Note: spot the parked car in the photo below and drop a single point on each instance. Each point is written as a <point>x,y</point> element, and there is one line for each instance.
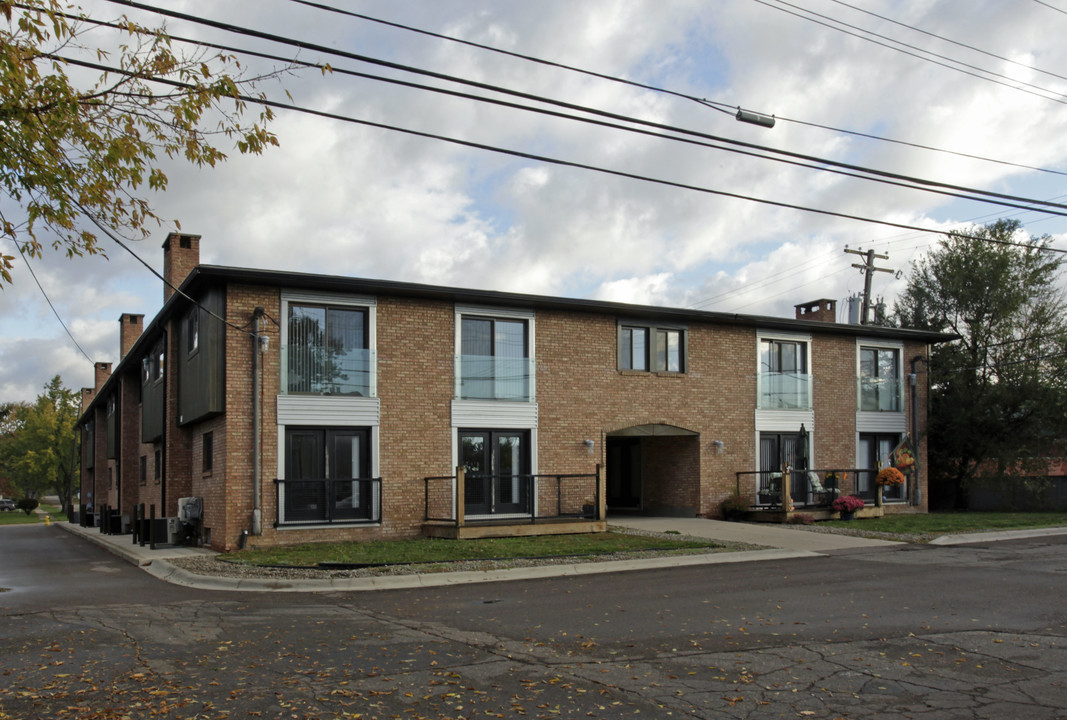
<point>7,504</point>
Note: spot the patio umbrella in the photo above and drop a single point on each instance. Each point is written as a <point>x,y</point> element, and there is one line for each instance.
<point>802,448</point>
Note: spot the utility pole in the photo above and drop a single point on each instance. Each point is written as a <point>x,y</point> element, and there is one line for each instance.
<point>868,268</point>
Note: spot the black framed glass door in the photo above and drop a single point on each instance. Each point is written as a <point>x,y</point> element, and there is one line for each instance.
<point>778,450</point>
<point>497,469</point>
<point>318,461</point>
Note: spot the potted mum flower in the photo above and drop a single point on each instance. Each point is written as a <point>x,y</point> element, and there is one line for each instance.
<point>890,476</point>
<point>847,505</point>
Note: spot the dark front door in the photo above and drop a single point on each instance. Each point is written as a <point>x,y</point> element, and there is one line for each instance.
<point>624,473</point>
<point>778,450</point>
<point>497,465</point>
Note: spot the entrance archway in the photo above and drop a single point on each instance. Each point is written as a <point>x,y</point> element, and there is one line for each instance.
<point>653,469</point>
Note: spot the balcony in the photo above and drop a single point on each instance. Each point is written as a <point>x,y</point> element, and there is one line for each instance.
<point>328,502</point>
<point>878,394</point>
<point>485,377</point>
<point>472,506</point>
<point>784,391</point>
<point>337,372</point>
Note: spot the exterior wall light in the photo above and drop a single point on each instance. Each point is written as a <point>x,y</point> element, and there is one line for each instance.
<point>719,446</point>
<point>589,445</point>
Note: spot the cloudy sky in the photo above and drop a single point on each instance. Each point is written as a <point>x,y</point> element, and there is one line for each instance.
<point>967,77</point>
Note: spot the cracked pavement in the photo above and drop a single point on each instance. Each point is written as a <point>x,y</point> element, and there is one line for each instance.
<point>933,633</point>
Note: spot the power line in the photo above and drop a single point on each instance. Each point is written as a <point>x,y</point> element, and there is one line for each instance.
<point>582,108</point>
<point>55,312</point>
<point>912,54</point>
<point>118,241</point>
<point>559,161</point>
<point>725,108</point>
<point>1051,7</point>
<point>949,40</point>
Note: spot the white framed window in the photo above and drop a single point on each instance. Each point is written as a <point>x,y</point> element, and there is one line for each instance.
<point>784,374</point>
<point>328,345</point>
<point>879,378</point>
<point>494,355</point>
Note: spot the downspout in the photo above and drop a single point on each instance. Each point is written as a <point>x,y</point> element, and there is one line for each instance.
<point>257,512</point>
<point>917,496</point>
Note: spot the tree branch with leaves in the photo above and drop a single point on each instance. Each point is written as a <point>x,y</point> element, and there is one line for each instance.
<point>999,393</point>
<point>87,129</point>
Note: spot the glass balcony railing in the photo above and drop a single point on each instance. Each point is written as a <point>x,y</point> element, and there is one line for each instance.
<point>785,391</point>
<point>317,371</point>
<point>484,377</point>
<point>880,394</point>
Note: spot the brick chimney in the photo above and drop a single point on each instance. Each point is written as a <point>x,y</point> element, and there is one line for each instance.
<point>181,253</point>
<point>103,372</point>
<point>823,310</point>
<point>87,398</point>
<point>130,327</point>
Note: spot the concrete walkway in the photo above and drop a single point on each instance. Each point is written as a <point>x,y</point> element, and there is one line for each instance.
<point>765,534</point>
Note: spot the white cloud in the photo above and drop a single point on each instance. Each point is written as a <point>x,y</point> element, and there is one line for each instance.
<point>341,198</point>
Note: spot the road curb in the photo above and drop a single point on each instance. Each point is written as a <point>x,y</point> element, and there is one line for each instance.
<point>167,571</point>
<point>1000,535</point>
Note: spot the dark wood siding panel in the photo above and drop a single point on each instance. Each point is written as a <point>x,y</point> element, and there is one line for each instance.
<point>201,376</point>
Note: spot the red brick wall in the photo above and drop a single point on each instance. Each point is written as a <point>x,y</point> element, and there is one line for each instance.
<point>129,442</point>
<point>833,370</point>
<point>582,395</point>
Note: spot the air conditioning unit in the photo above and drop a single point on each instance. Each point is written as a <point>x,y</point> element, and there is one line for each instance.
<point>174,531</point>
<point>190,509</point>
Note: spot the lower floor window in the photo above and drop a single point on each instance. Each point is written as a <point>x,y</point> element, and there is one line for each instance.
<point>875,452</point>
<point>497,471</point>
<point>327,477</point>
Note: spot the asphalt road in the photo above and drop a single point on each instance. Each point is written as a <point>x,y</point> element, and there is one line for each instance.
<point>919,631</point>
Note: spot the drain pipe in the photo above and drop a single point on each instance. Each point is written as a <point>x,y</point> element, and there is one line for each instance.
<point>257,512</point>
<point>917,496</point>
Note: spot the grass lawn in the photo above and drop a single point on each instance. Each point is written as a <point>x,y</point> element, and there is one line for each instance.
<point>17,517</point>
<point>955,522</point>
<point>432,550</point>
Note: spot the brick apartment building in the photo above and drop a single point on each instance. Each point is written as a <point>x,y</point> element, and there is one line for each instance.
<point>368,396</point>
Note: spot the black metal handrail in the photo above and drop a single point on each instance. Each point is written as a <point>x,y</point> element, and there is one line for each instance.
<point>814,488</point>
<point>540,497</point>
<point>329,501</point>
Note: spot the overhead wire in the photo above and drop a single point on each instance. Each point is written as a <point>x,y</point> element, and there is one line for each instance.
<point>552,160</point>
<point>581,108</point>
<point>722,107</point>
<point>178,291</point>
<point>780,3</point>
<point>949,40</point>
<point>29,266</point>
<point>1050,7</point>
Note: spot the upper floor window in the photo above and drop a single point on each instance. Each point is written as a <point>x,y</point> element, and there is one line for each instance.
<point>879,380</point>
<point>784,381</point>
<point>651,348</point>
<point>192,331</point>
<point>152,366</point>
<point>328,350</point>
<point>494,359</point>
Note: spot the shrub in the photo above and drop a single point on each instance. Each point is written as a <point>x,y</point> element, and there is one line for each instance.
<point>27,505</point>
<point>801,519</point>
<point>734,506</point>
